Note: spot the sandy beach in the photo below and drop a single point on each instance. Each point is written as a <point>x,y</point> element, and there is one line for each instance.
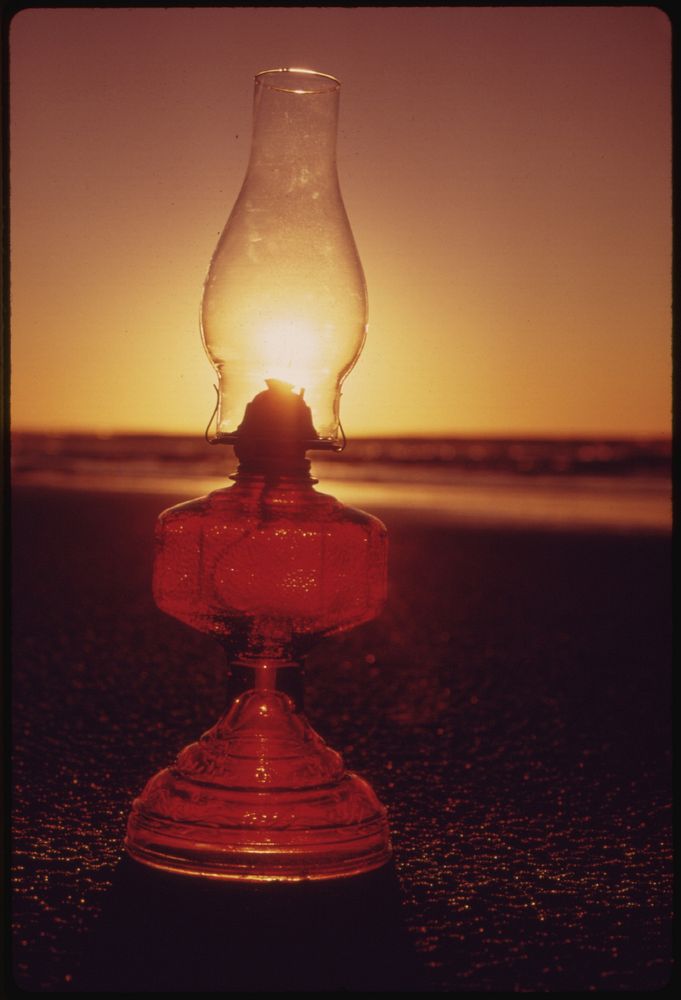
<point>511,708</point>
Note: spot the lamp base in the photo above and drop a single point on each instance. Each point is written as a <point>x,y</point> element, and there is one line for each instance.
<point>259,797</point>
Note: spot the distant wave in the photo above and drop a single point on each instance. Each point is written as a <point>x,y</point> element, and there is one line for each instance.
<point>521,456</point>
<point>608,484</point>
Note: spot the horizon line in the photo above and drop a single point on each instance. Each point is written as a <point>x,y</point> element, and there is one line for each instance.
<point>382,436</point>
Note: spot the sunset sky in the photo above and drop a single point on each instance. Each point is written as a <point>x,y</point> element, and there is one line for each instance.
<point>506,171</point>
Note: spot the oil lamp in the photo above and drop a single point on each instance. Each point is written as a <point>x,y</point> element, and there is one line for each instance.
<point>269,565</point>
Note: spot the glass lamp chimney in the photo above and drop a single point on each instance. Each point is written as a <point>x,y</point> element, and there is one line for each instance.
<point>284,301</point>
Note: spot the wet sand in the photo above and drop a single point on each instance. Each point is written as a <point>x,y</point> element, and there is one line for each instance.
<point>511,708</point>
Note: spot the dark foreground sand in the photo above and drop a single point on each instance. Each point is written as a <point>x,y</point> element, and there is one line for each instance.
<point>511,708</point>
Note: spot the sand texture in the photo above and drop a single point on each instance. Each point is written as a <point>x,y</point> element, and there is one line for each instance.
<point>511,708</point>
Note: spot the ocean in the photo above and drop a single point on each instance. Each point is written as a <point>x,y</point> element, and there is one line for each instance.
<point>618,484</point>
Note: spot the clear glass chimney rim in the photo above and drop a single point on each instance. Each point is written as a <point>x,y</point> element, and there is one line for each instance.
<point>297,81</point>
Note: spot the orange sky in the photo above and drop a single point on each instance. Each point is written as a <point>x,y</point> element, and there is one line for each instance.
<point>506,172</point>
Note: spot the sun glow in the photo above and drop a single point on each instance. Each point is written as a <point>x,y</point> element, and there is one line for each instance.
<point>515,243</point>
<point>289,350</point>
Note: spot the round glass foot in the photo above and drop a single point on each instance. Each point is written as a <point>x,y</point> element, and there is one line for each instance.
<point>259,797</point>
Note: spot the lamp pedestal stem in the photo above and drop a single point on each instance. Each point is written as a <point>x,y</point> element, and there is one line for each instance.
<point>260,796</point>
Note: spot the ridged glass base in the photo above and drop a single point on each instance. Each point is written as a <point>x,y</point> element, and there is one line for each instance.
<point>259,796</point>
